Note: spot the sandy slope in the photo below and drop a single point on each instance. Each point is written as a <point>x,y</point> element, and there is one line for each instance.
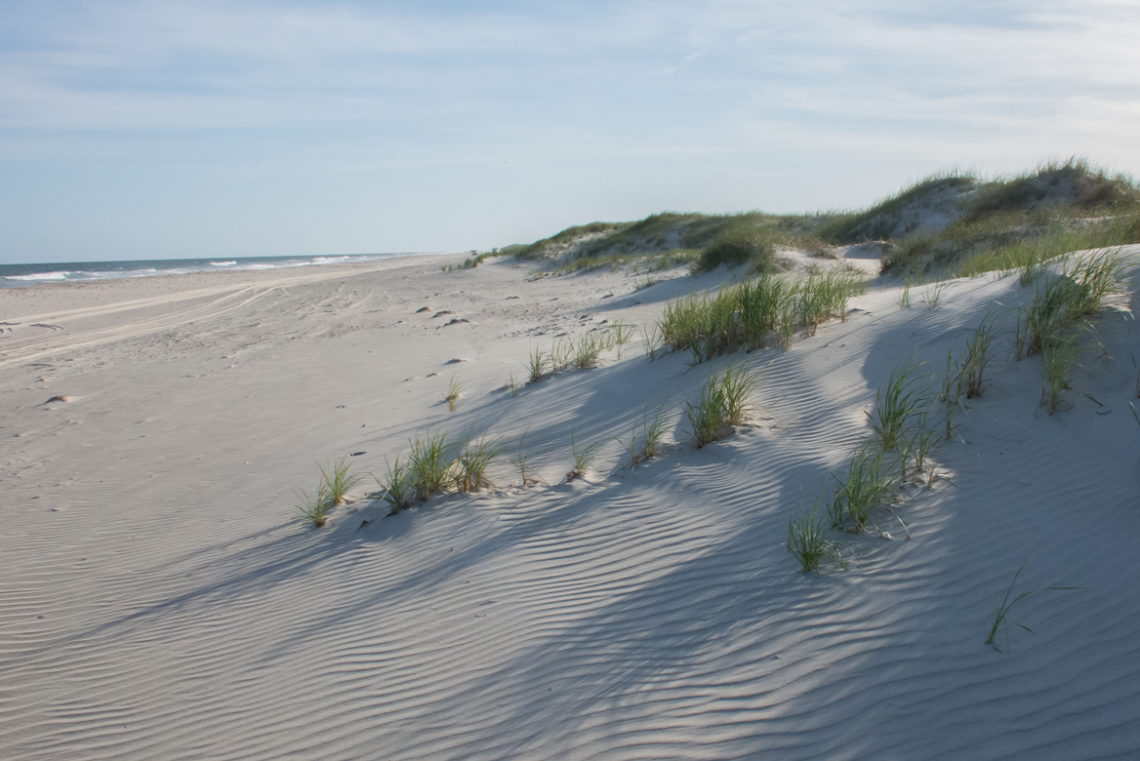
<point>158,598</point>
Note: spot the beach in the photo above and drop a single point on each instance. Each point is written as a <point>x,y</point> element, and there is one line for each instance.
<point>161,599</point>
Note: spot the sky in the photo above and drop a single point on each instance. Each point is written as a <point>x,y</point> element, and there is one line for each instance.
<point>135,129</point>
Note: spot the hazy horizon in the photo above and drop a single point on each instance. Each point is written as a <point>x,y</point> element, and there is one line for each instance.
<point>157,130</point>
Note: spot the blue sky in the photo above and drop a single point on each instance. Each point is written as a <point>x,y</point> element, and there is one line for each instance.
<point>138,129</point>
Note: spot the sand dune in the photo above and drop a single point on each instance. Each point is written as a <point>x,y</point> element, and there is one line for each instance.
<point>159,598</point>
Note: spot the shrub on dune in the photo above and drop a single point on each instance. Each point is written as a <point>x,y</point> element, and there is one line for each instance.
<point>742,243</point>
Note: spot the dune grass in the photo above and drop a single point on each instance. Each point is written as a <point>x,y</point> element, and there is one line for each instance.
<point>536,365</point>
<point>314,508</point>
<point>977,359</point>
<point>651,340</point>
<point>904,296</point>
<point>582,456</point>
<point>398,490</point>
<point>1051,324</point>
<point>638,261</point>
<point>895,405</point>
<point>336,480</point>
<point>869,482</point>
<point>620,335</point>
<point>561,355</point>
<point>1009,601</point>
<point>1097,275</point>
<point>821,298</point>
<point>521,460</point>
<point>724,402</point>
<point>568,353</point>
<point>1007,224</point>
<point>644,443</point>
<point>430,471</point>
<point>1050,314</point>
<point>454,389</point>
<point>587,351</point>
<point>747,315</point>
<point>1073,183</point>
<point>932,296</point>
<point>470,468</point>
<point>881,220</point>
<point>747,242</point>
<point>1058,358</point>
<point>806,542</point>
<point>920,443</point>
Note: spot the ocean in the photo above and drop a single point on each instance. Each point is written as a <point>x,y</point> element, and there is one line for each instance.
<point>20,275</point>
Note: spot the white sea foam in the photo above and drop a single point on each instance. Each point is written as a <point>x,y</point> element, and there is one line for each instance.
<point>38,276</point>
<point>177,267</point>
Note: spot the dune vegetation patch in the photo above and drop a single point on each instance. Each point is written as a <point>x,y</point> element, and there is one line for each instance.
<point>751,314</point>
<point>663,241</point>
<point>950,223</point>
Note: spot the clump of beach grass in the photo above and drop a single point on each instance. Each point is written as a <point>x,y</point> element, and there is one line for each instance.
<point>1098,275</point>
<point>806,542</point>
<point>823,297</point>
<point>972,369</point>
<point>521,461</point>
<point>561,355</point>
<point>587,351</point>
<point>314,509</point>
<point>904,296</point>
<point>895,404</point>
<point>398,490</point>
<point>336,480</point>
<point>335,483</point>
<point>620,335</point>
<point>920,442</point>
<point>430,472</point>
<point>1055,307</point>
<point>723,403</point>
<point>1050,325</point>
<point>1058,358</point>
<point>470,467</point>
<point>746,315</point>
<point>651,336</point>
<point>736,317</point>
<point>454,389</point>
<point>582,455</point>
<point>868,484</point>
<point>1079,291</point>
<point>645,443</point>
<point>536,365</point>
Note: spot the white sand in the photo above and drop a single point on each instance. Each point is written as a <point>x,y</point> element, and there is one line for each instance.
<point>159,599</point>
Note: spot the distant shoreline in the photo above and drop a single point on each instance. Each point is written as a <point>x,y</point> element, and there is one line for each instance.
<point>41,273</point>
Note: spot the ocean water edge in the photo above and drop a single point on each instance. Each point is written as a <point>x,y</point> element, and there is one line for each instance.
<point>23,275</point>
